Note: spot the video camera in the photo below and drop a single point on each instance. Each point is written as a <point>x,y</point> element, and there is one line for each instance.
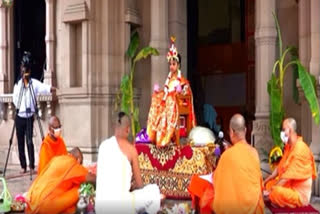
<point>26,65</point>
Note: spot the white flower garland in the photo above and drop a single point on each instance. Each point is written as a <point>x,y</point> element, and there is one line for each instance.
<point>166,85</point>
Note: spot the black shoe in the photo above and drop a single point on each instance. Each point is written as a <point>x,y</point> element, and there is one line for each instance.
<point>23,171</point>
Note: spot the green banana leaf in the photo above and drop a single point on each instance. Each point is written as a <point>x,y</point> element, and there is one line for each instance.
<point>276,111</point>
<point>125,94</point>
<point>145,52</point>
<point>307,85</point>
<point>134,44</point>
<point>279,34</point>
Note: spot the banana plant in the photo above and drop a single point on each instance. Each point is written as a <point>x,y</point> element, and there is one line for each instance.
<point>276,90</point>
<point>126,92</point>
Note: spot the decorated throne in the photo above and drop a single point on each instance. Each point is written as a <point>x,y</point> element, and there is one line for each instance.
<point>166,161</point>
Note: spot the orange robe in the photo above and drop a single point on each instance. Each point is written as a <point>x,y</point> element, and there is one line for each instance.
<point>55,190</point>
<point>163,115</point>
<point>298,167</point>
<point>49,149</point>
<point>238,181</point>
<point>202,194</point>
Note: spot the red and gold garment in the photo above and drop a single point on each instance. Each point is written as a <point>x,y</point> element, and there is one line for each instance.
<point>163,115</point>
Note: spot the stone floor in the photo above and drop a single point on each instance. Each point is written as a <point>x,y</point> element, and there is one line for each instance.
<point>18,184</point>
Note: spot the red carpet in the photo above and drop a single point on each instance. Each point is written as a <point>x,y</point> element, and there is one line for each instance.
<point>306,209</point>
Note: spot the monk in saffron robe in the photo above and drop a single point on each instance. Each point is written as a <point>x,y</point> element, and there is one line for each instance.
<point>117,166</point>
<point>56,189</point>
<point>290,183</point>
<point>163,115</point>
<point>52,145</point>
<point>237,181</point>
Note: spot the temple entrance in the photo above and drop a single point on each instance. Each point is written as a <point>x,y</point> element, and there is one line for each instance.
<point>221,61</point>
<point>29,35</point>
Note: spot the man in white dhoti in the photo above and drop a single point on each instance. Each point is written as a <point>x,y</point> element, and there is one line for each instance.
<point>117,164</point>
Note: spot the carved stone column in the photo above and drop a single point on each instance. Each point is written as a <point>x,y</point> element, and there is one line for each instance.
<point>304,55</point>
<point>49,75</point>
<point>265,39</point>
<point>3,49</point>
<point>159,39</point>
<point>315,69</point>
<point>178,28</point>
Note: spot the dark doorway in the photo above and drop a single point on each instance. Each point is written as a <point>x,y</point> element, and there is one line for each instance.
<point>29,35</point>
<point>221,58</point>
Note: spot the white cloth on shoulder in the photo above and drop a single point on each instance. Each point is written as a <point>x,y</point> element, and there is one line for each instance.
<point>114,175</point>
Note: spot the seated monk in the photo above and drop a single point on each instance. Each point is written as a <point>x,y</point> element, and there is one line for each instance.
<point>56,189</point>
<point>117,165</point>
<point>163,115</point>
<point>290,183</point>
<point>237,181</point>
<point>52,145</point>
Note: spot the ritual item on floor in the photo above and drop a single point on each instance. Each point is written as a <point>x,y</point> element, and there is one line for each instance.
<point>86,199</point>
<point>142,137</point>
<point>171,167</point>
<point>92,168</point>
<point>5,197</point>
<point>18,204</point>
<point>201,136</point>
<point>275,157</point>
<point>181,208</point>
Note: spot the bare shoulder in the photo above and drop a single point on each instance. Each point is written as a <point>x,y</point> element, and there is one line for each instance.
<point>132,149</point>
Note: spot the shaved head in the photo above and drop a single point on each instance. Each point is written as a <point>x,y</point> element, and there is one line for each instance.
<point>237,128</point>
<point>122,120</point>
<point>291,123</point>
<point>237,123</point>
<point>122,125</point>
<point>54,121</point>
<point>77,154</point>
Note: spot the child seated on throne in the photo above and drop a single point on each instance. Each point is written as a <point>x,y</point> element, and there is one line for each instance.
<point>163,115</point>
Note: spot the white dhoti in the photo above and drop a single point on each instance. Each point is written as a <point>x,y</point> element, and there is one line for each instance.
<point>114,174</point>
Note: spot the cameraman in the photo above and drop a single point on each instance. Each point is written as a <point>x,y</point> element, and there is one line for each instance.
<point>24,99</point>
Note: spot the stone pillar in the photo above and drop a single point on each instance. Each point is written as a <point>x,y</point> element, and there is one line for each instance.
<point>3,49</point>
<point>159,39</point>
<point>304,56</point>
<point>178,28</point>
<point>315,68</point>
<point>265,40</point>
<point>49,75</point>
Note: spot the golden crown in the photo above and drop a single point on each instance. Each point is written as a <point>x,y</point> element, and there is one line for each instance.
<point>173,52</point>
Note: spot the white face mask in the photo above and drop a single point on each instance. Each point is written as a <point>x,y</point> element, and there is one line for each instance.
<point>57,132</point>
<point>284,137</point>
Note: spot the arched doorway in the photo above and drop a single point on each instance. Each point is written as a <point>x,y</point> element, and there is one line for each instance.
<point>221,58</point>
<point>29,35</point>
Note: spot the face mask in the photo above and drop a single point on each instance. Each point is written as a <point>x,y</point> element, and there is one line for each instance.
<point>284,137</point>
<point>57,132</point>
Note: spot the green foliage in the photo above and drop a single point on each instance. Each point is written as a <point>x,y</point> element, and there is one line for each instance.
<point>307,82</point>
<point>275,88</point>
<point>145,52</point>
<point>134,44</point>
<point>276,113</point>
<point>125,93</point>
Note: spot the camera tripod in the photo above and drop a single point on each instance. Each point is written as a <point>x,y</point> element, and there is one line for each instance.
<point>24,89</point>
